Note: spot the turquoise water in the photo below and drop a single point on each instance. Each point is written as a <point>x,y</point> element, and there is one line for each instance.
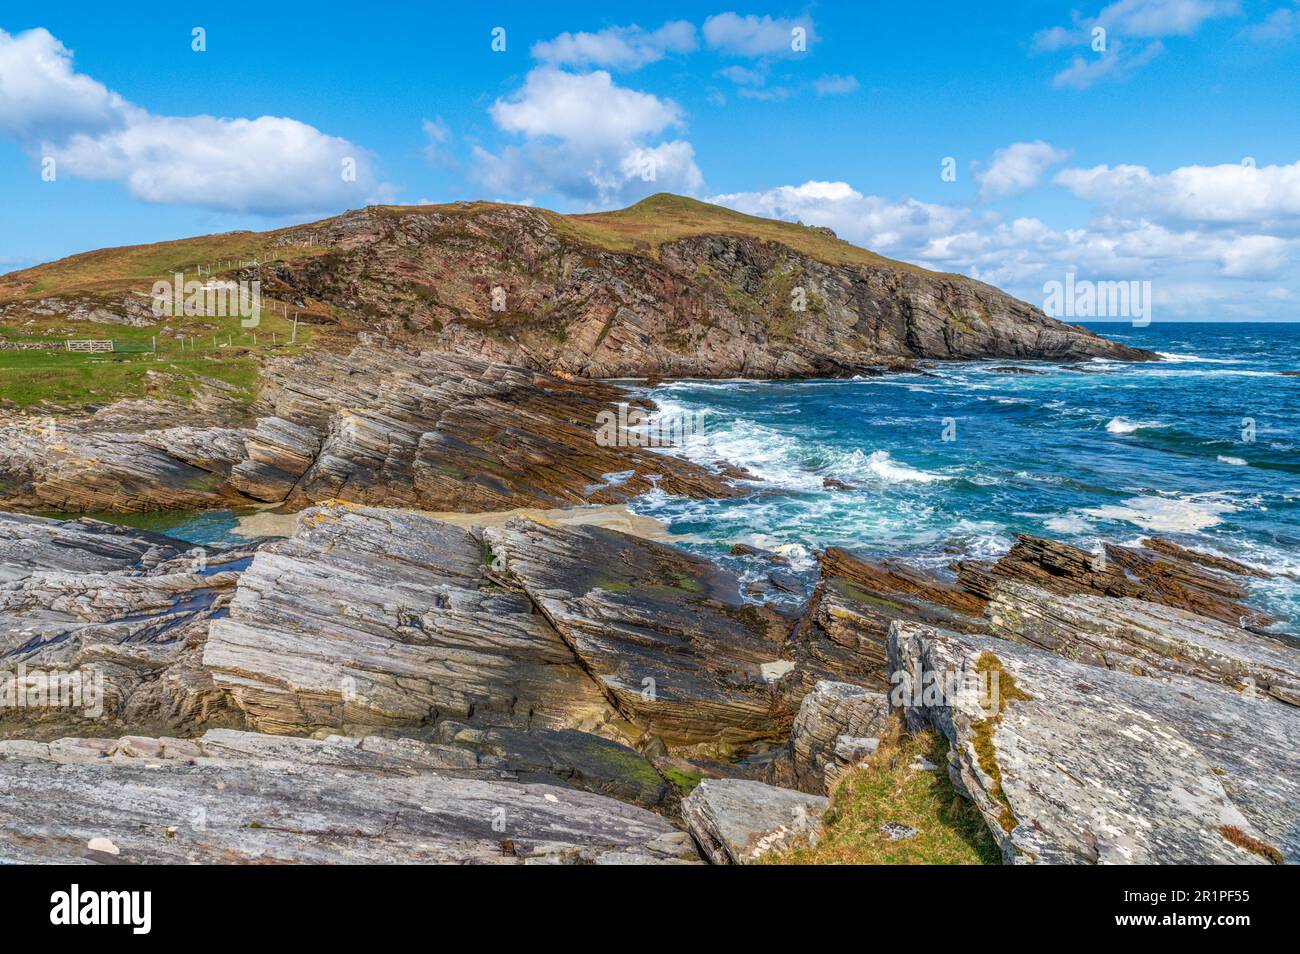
<point>207,528</point>
<point>1118,453</point>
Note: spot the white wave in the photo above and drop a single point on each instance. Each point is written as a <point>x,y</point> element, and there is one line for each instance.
<point>1173,357</point>
<point>1167,514</point>
<point>1234,461</point>
<point>1068,523</point>
<point>892,472</point>
<point>1119,425</point>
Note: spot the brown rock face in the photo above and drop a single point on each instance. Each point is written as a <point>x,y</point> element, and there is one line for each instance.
<point>842,633</point>
<point>711,294</point>
<point>1160,572</point>
<point>664,633</point>
<point>433,431</point>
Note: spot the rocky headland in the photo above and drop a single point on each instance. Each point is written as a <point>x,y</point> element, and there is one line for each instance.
<point>376,684</point>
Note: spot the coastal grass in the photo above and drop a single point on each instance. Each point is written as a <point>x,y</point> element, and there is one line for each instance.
<point>950,830</point>
<point>31,378</point>
<point>189,349</point>
<point>664,218</point>
<point>136,267</point>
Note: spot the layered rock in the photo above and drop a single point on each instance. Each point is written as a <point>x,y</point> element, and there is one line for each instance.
<point>736,821</point>
<point>372,618</point>
<point>666,634</point>
<point>111,635</point>
<point>843,631</point>
<point>1074,763</point>
<point>238,797</point>
<point>838,726</point>
<point>1160,571</point>
<point>1145,638</point>
<point>706,293</point>
<point>432,431</point>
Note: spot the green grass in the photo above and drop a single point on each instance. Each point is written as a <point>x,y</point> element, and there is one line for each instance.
<point>950,829</point>
<point>30,378</point>
<point>74,378</point>
<point>134,267</point>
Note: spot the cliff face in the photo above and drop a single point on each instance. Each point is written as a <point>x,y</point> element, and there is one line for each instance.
<point>670,287</point>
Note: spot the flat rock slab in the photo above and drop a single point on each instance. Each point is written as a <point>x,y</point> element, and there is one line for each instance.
<point>1146,638</point>
<point>40,544</point>
<point>370,618</point>
<point>844,629</point>
<point>380,426</point>
<point>238,797</point>
<point>736,821</point>
<point>665,633</point>
<point>1072,763</point>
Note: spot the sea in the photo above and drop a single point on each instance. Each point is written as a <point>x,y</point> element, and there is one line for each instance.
<point>953,461</point>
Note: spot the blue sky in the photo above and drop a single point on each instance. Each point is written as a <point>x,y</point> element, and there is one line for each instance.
<point>1168,153</point>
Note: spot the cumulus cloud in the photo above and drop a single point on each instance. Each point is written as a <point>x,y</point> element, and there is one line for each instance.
<point>755,36</point>
<point>1115,63</point>
<point>1281,25</point>
<point>618,47</point>
<point>1197,270</point>
<point>1230,194</point>
<point>587,138</point>
<point>900,227</point>
<point>1129,33</point>
<point>270,165</point>
<point>1017,169</point>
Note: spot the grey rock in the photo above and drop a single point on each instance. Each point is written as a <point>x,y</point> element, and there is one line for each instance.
<point>239,797</point>
<point>368,619</point>
<point>1145,638</point>
<point>896,831</point>
<point>666,634</point>
<point>737,821</point>
<point>838,726</point>
<point>1090,765</point>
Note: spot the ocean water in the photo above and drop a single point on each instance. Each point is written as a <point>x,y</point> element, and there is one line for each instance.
<point>1203,447</point>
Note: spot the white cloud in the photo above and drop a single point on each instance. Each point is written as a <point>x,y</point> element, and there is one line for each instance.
<point>883,225</point>
<point>587,138</point>
<point>626,48</point>
<point>1142,23</point>
<point>1196,271</point>
<point>1017,169</point>
<point>1278,27</point>
<point>743,76</point>
<point>1116,63</point>
<point>270,165</point>
<point>437,136</point>
<point>833,85</point>
<point>1230,194</point>
<point>754,35</point>
<point>588,108</point>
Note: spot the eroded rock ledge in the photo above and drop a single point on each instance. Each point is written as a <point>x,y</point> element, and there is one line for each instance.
<point>434,431</point>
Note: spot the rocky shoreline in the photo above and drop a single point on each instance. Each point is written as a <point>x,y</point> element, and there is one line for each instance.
<point>385,686</point>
